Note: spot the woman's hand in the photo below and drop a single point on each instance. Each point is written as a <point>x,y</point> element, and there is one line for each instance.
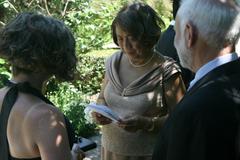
<point>77,153</point>
<point>133,124</point>
<point>100,119</point>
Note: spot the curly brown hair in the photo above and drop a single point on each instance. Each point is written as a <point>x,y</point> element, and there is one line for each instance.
<point>32,42</point>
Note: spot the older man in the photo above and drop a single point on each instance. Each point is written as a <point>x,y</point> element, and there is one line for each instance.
<point>206,123</point>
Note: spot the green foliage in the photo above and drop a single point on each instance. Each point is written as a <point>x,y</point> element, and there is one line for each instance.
<point>72,103</point>
<point>91,26</point>
<point>90,23</point>
<point>90,75</point>
<point>4,72</point>
<point>104,53</point>
<point>164,11</point>
<point>72,98</point>
<point>56,8</point>
<point>90,20</point>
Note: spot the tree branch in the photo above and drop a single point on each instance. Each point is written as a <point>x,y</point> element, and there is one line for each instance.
<point>29,4</point>
<point>65,8</point>
<point>46,7</point>
<point>2,23</point>
<point>12,6</point>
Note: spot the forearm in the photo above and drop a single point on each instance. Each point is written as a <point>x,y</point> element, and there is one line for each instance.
<point>154,124</point>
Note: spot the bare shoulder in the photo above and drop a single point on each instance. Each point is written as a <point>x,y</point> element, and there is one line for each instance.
<point>42,115</point>
<point>3,91</point>
<point>46,125</point>
<point>42,120</point>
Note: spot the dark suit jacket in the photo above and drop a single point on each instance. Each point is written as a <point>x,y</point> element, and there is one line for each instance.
<point>206,123</point>
<point>165,46</point>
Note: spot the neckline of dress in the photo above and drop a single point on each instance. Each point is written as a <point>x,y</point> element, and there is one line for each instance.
<point>141,65</point>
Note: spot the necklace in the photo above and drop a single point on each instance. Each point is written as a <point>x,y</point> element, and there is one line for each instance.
<point>141,65</point>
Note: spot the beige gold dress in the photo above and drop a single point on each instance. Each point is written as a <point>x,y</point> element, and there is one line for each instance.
<point>141,97</point>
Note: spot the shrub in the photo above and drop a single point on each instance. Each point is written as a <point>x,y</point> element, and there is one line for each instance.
<point>72,98</point>
<point>72,103</point>
<point>91,74</point>
<point>4,72</point>
<point>89,22</point>
<point>92,26</point>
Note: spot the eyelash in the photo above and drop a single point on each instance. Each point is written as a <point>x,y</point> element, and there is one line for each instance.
<point>129,37</point>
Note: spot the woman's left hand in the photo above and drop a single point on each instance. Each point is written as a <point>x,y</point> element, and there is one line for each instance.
<point>135,123</point>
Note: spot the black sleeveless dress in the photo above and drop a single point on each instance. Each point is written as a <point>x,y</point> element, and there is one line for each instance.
<point>8,101</point>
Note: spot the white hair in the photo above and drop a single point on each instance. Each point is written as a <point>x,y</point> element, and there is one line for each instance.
<point>217,21</point>
<point>238,47</point>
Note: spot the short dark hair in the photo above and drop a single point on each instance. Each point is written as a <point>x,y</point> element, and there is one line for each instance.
<point>141,21</point>
<point>33,42</point>
<point>175,7</point>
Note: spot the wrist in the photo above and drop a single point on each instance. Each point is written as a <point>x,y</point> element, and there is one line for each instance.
<point>152,124</point>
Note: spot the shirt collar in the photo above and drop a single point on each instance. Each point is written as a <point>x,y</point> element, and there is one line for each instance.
<point>212,65</point>
<point>172,23</point>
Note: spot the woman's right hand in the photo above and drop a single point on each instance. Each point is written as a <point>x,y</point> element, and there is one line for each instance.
<point>100,119</point>
<point>77,153</point>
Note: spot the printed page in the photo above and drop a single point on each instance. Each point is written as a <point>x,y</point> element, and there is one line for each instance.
<point>105,111</point>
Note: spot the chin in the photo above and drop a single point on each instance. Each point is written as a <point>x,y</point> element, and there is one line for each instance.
<point>131,53</point>
<point>185,65</point>
<point>185,62</point>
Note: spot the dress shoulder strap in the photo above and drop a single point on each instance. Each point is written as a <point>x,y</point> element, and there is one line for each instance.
<point>8,102</point>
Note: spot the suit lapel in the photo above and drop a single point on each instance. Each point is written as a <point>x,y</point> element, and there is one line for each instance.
<point>221,71</point>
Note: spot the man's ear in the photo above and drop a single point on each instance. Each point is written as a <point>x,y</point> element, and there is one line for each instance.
<point>190,35</point>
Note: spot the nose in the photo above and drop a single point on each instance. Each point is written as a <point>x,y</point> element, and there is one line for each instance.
<point>127,43</point>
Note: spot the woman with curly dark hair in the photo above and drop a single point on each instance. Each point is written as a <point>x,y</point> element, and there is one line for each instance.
<point>38,47</point>
<point>141,86</point>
